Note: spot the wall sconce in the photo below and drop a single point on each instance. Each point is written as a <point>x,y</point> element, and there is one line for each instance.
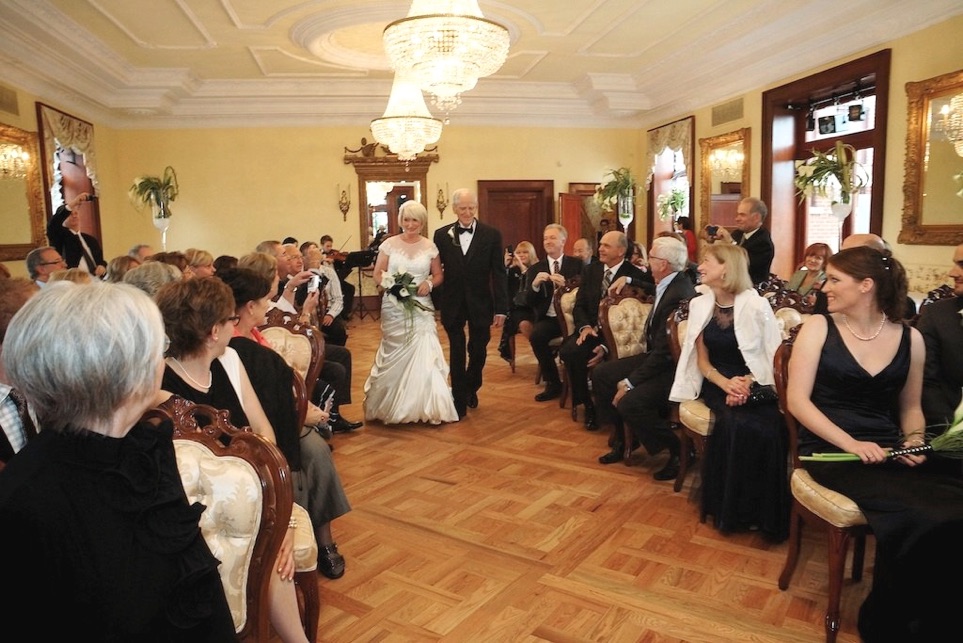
<point>442,201</point>
<point>344,201</point>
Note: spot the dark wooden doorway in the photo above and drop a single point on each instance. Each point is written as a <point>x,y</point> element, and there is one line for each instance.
<point>519,209</point>
<point>394,200</point>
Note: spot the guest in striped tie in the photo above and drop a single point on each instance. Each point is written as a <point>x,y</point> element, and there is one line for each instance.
<point>585,347</point>
<point>14,420</point>
<point>543,278</point>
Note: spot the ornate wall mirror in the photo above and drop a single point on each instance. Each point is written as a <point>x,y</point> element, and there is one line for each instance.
<point>384,182</point>
<point>21,196</point>
<point>933,170</point>
<point>725,177</point>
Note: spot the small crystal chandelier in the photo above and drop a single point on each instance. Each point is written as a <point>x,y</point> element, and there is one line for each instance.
<point>445,46</point>
<point>13,161</point>
<point>407,126</point>
<point>727,164</point>
<point>951,123</point>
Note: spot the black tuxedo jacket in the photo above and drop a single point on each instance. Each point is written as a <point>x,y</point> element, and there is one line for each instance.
<point>941,325</point>
<point>540,300</point>
<point>67,243</point>
<point>589,296</point>
<point>761,252</point>
<point>475,282</point>
<point>657,349</point>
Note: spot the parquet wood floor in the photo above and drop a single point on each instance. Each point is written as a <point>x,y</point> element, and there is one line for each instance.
<point>504,527</point>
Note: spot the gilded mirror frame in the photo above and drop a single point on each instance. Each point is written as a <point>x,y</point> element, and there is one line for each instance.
<point>919,98</point>
<point>35,205</point>
<point>707,146</point>
<point>372,162</point>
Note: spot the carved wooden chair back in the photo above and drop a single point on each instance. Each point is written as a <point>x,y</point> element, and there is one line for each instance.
<point>623,318</point>
<point>301,345</point>
<point>564,302</point>
<point>818,506</point>
<point>245,483</point>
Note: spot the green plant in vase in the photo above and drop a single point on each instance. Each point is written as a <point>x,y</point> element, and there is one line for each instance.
<point>618,194</point>
<point>155,192</point>
<point>826,170</point>
<point>671,204</point>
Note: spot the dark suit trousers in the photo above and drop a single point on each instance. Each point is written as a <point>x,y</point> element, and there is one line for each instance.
<point>605,382</point>
<point>337,370</point>
<point>645,410</point>
<point>544,331</point>
<point>576,357</point>
<point>466,375</point>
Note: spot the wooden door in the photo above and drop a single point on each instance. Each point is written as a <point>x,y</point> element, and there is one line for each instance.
<point>520,209</point>
<point>395,199</point>
<point>571,214</point>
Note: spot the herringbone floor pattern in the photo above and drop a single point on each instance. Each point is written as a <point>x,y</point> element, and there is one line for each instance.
<point>504,527</point>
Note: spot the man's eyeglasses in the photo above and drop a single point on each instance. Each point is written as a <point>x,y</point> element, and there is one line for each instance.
<point>52,263</point>
<point>659,258</point>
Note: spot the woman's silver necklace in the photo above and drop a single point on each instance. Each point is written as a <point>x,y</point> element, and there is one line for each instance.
<point>210,374</point>
<point>882,322</point>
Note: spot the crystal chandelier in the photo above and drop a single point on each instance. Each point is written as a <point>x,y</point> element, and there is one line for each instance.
<point>13,161</point>
<point>407,126</point>
<point>952,122</point>
<point>445,46</point>
<point>727,164</point>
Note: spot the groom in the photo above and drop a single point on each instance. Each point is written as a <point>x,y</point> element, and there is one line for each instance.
<point>475,292</point>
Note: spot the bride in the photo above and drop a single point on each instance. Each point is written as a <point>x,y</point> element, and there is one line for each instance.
<point>409,377</point>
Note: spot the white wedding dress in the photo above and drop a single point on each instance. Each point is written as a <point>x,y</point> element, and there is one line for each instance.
<point>409,377</point>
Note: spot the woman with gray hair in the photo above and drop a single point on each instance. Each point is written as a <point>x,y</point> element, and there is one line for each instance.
<point>94,515</point>
<point>151,275</point>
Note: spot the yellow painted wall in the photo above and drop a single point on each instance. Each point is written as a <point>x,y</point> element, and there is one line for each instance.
<point>241,186</point>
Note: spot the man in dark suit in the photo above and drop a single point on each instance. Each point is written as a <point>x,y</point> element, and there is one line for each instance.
<point>543,278</point>
<point>585,347</point>
<point>635,389</point>
<point>750,234</point>
<point>78,249</point>
<point>941,324</point>
<point>582,248</point>
<point>475,291</point>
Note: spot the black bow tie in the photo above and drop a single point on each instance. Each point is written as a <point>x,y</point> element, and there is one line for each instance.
<point>461,229</point>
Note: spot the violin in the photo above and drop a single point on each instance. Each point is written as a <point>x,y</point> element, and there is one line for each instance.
<point>337,255</point>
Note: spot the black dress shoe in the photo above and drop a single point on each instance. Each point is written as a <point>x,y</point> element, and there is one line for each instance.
<point>341,425</point>
<point>472,401</point>
<point>590,423</point>
<point>461,409</point>
<point>669,471</point>
<point>613,456</point>
<point>553,390</point>
<point>330,561</point>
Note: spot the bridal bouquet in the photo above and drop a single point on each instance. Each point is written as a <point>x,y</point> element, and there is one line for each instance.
<point>402,287</point>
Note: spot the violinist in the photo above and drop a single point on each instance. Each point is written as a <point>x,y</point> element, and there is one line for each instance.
<point>338,260</point>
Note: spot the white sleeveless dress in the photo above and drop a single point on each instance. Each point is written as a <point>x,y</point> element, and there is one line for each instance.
<point>409,377</point>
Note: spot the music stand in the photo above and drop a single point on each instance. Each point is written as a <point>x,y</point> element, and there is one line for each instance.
<point>362,259</point>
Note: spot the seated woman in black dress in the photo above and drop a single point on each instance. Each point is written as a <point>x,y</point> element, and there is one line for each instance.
<point>517,262</point>
<point>855,384</point>
<point>97,530</point>
<point>730,342</point>
<point>317,486</point>
<point>199,318</point>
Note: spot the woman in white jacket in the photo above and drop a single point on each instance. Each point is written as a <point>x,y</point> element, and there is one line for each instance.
<point>730,342</point>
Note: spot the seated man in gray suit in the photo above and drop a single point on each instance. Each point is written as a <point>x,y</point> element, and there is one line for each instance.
<point>635,390</point>
<point>941,325</point>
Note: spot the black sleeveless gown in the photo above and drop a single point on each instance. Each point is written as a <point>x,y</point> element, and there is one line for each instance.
<point>916,512</point>
<point>745,484</point>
